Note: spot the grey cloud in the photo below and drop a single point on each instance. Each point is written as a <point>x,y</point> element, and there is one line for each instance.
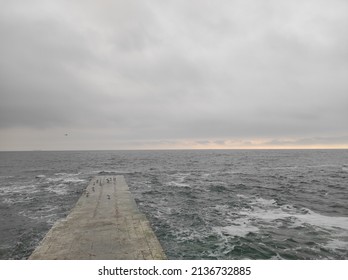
<point>176,70</point>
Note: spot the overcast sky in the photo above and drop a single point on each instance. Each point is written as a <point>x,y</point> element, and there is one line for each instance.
<point>156,74</point>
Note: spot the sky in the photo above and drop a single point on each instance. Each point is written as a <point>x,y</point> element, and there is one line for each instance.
<point>176,74</point>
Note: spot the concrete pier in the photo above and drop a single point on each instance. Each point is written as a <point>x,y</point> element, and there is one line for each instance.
<point>104,225</point>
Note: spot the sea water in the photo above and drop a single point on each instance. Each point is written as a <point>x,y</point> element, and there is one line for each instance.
<point>202,204</point>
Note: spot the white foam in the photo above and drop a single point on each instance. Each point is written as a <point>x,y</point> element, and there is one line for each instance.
<point>59,189</point>
<point>323,221</point>
<point>242,196</point>
<point>241,227</point>
<point>45,213</point>
<point>6,177</point>
<point>26,189</point>
<point>221,207</point>
<point>9,201</point>
<point>65,178</point>
<point>53,180</point>
<point>263,202</point>
<point>73,180</point>
<point>180,177</point>
<point>337,244</point>
<point>177,184</point>
<point>268,211</point>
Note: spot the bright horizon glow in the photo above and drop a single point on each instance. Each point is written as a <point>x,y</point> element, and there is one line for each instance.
<point>109,139</point>
<point>192,147</point>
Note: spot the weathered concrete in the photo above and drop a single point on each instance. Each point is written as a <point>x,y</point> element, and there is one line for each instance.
<point>104,225</point>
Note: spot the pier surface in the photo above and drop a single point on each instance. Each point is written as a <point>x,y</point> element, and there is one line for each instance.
<point>104,225</point>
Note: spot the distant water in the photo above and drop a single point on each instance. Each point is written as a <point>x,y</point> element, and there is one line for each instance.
<point>203,204</point>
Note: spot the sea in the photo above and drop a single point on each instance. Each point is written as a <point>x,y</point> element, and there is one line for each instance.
<point>202,204</point>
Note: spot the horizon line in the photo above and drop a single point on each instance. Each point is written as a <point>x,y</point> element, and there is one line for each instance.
<point>174,149</point>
